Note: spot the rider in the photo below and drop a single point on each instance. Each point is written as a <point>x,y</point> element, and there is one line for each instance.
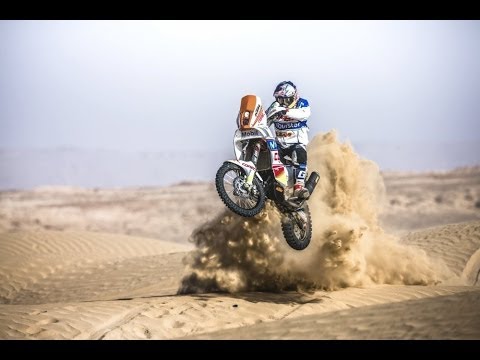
<point>289,114</point>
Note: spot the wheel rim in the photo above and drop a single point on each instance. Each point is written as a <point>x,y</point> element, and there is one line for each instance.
<point>233,182</point>
<point>300,233</point>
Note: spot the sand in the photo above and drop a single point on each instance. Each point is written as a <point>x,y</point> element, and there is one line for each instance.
<point>151,263</point>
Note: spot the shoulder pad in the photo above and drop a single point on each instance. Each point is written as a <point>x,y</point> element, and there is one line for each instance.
<point>302,103</point>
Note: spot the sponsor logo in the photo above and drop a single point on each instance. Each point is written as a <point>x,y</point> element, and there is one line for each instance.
<point>284,134</point>
<point>256,109</point>
<point>249,133</point>
<point>259,117</point>
<point>248,165</point>
<point>272,145</point>
<point>289,125</point>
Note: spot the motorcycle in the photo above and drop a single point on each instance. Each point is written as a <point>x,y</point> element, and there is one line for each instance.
<point>259,173</point>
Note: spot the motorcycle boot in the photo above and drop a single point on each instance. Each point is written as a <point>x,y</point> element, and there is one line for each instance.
<point>299,189</point>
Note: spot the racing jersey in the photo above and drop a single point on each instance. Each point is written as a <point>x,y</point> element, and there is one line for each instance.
<point>292,127</point>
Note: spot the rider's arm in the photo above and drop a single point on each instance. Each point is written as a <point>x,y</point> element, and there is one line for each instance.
<point>301,112</point>
<point>272,109</point>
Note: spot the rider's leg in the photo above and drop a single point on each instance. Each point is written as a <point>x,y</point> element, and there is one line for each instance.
<point>299,155</point>
<point>284,151</point>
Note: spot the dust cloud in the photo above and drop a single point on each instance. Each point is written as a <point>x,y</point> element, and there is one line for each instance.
<point>348,247</point>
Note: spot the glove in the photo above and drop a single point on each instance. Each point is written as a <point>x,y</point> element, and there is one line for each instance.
<point>279,113</point>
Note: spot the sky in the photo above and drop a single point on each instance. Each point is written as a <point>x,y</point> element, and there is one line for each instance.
<point>176,85</point>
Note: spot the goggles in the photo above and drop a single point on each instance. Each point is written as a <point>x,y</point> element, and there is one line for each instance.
<point>284,101</point>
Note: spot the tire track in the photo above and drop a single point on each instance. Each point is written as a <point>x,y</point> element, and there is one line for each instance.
<point>115,322</point>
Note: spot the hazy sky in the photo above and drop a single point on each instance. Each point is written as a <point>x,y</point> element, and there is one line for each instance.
<point>155,85</point>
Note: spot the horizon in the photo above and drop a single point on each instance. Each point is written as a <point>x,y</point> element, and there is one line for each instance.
<point>151,86</point>
<point>22,169</point>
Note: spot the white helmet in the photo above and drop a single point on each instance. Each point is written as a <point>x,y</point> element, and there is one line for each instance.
<point>286,93</point>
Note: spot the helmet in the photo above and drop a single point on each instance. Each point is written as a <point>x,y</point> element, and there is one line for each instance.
<point>286,93</point>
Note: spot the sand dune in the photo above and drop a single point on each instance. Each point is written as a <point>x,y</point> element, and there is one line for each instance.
<point>394,256</point>
<point>419,200</point>
<point>456,244</point>
<point>453,316</point>
<point>280,315</point>
<point>413,201</point>
<point>69,303</point>
<point>54,266</point>
<point>168,213</point>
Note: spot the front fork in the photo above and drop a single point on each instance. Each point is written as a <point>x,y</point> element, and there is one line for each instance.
<point>251,174</point>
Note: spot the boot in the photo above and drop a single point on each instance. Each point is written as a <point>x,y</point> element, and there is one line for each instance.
<point>301,191</point>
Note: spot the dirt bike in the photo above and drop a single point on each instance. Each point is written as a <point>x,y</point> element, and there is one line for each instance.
<point>259,173</point>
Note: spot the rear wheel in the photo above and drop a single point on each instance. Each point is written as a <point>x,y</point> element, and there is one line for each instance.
<point>230,183</point>
<point>297,228</point>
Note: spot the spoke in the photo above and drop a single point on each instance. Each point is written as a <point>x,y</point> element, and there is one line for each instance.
<point>238,201</point>
<point>229,180</point>
<point>299,232</point>
<point>232,179</point>
<point>227,185</point>
<point>251,202</point>
<point>242,202</point>
<point>247,203</point>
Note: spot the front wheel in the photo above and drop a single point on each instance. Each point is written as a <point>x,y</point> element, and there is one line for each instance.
<point>297,228</point>
<point>230,184</point>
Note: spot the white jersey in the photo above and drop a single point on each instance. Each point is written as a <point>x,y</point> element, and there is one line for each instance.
<point>292,128</point>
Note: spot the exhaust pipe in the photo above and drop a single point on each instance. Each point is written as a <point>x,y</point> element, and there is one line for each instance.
<point>312,182</point>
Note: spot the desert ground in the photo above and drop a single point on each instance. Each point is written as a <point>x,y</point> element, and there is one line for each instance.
<point>394,255</point>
